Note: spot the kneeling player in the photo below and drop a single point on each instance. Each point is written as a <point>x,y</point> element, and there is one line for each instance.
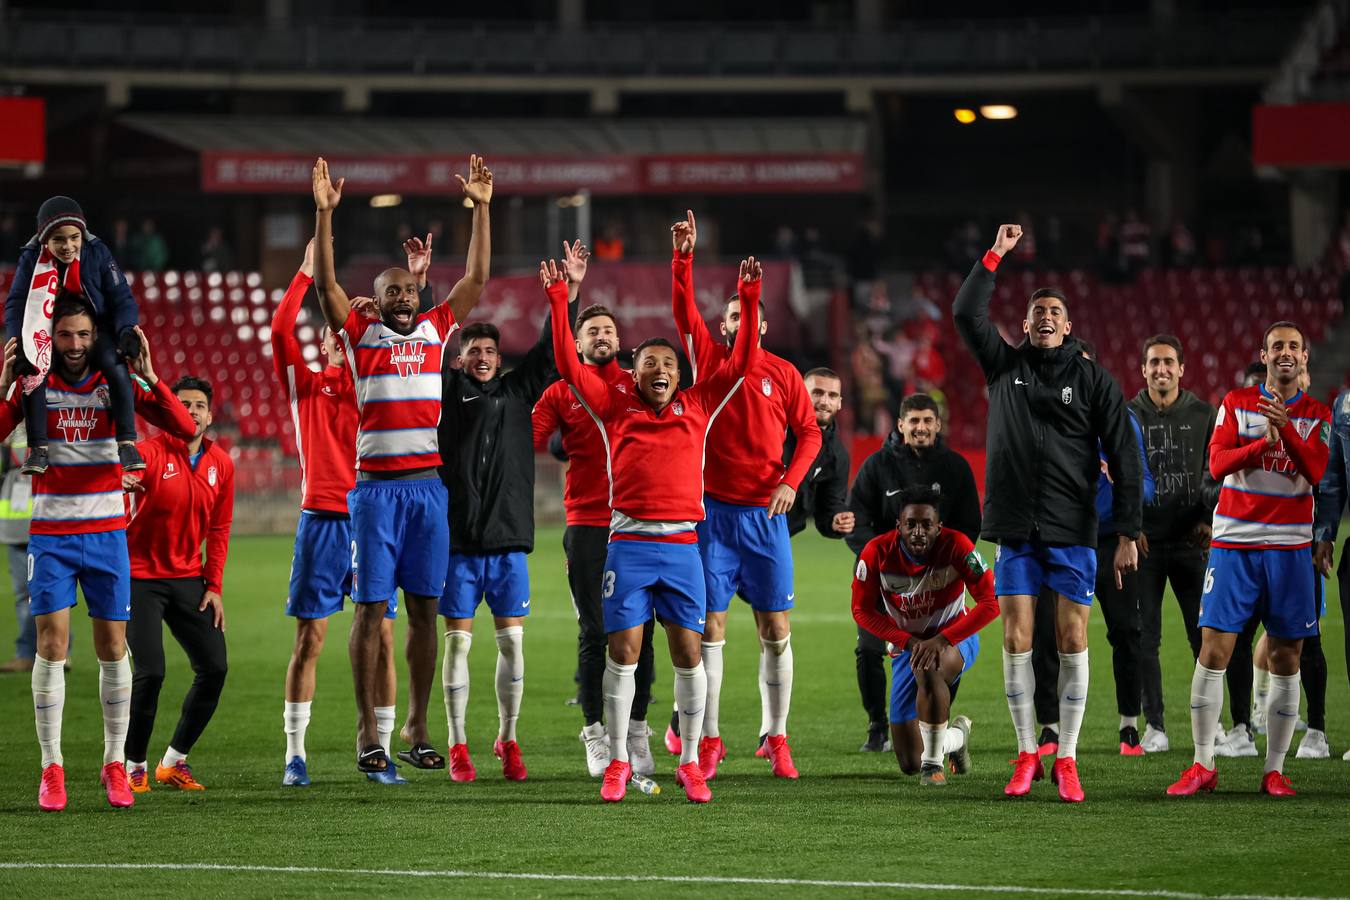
<point>909,590</point>
<point>655,437</point>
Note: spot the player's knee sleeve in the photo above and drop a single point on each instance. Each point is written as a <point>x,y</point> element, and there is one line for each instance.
<point>455,667</point>
<point>511,642</point>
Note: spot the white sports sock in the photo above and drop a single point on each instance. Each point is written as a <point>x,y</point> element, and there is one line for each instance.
<point>778,681</point>
<point>934,742</point>
<point>691,692</point>
<point>510,679</point>
<point>1019,683</point>
<point>1206,704</point>
<point>455,682</point>
<point>1129,722</point>
<point>1281,717</point>
<point>133,766</point>
<point>763,693</point>
<point>619,686</point>
<point>172,757</point>
<point>1073,689</point>
<point>295,720</point>
<point>712,667</point>
<point>114,690</point>
<point>49,701</point>
<point>955,740</point>
<point>384,727</point>
<point>1260,687</point>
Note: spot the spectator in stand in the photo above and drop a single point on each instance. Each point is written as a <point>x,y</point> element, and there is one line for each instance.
<point>121,240</point>
<point>1027,257</point>
<point>1251,246</point>
<point>1108,247</point>
<point>1179,250</point>
<point>870,395</point>
<point>963,245</point>
<point>1136,243</point>
<point>10,239</point>
<point>609,246</point>
<point>149,252</point>
<point>216,254</point>
<point>1052,246</point>
<point>785,242</point>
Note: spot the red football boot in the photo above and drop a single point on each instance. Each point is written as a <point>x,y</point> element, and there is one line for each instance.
<point>1194,780</point>
<point>673,745</point>
<point>1276,785</point>
<point>52,789</point>
<point>690,777</point>
<point>711,751</point>
<point>614,787</point>
<point>114,778</point>
<point>513,768</point>
<point>1026,769</point>
<point>461,766</point>
<point>1065,777</point>
<point>780,754</point>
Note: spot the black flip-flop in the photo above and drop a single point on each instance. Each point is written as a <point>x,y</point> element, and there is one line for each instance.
<point>367,759</point>
<point>419,755</point>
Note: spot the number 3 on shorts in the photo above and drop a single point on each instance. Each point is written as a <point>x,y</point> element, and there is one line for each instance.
<point>1209,580</point>
<point>607,585</point>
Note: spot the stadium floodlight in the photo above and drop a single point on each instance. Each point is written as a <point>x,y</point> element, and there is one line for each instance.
<point>999,111</point>
<point>383,201</point>
<point>964,116</point>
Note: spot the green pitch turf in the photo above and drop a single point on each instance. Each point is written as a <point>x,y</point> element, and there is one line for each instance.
<point>852,817</point>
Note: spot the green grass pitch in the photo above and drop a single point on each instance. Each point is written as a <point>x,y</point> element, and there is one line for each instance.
<point>852,817</point>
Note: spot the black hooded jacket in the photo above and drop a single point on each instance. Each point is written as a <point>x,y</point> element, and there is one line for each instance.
<point>1176,440</point>
<point>875,500</point>
<point>487,452</point>
<point>1049,409</point>
<point>824,490</point>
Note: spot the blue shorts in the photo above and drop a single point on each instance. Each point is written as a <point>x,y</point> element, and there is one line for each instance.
<point>1277,585</point>
<point>1024,567</point>
<point>745,552</point>
<point>321,567</point>
<point>99,562</point>
<point>402,538</point>
<point>503,579</point>
<point>646,577</point>
<point>905,690</point>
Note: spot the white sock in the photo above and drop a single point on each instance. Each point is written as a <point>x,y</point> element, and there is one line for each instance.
<point>691,692</point>
<point>778,681</point>
<point>133,766</point>
<point>295,719</point>
<point>1053,726</point>
<point>619,686</point>
<point>384,727</point>
<point>1129,722</point>
<point>1260,687</point>
<point>1281,717</point>
<point>1206,704</point>
<point>455,682</point>
<point>1019,683</point>
<point>763,693</point>
<point>955,740</point>
<point>49,701</point>
<point>510,679</point>
<point>172,758</point>
<point>934,742</point>
<point>1073,688</point>
<point>114,690</point>
<point>712,667</point>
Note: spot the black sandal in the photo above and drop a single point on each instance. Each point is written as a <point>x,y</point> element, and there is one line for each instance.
<point>422,756</point>
<point>372,759</point>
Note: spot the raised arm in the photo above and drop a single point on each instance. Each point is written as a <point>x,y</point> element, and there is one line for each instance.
<point>719,384</point>
<point>970,311</point>
<point>155,402</point>
<point>478,188</point>
<point>695,337</point>
<point>286,349</point>
<point>591,388</point>
<point>332,299</point>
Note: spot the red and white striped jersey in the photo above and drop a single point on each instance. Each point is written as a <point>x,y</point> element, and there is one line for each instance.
<point>1266,497</point>
<point>323,411</point>
<point>398,389</point>
<point>81,491</point>
<point>896,597</point>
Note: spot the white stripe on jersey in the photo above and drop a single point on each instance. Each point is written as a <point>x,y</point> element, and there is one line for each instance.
<point>623,524</point>
<point>380,388</point>
<point>400,442</point>
<point>1274,484</point>
<point>78,507</point>
<point>82,453</point>
<point>377,335</point>
<point>1240,531</point>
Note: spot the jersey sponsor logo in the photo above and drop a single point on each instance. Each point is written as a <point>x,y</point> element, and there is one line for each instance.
<point>407,358</point>
<point>76,424</point>
<point>975,562</point>
<point>1066,396</point>
<point>766,386</point>
<point>677,407</point>
<point>170,470</point>
<point>211,476</point>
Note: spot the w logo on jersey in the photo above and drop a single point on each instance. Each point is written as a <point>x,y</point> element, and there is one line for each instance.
<point>1277,460</point>
<point>407,358</point>
<point>76,424</point>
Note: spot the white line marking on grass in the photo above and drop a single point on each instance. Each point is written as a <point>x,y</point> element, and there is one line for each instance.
<point>648,879</point>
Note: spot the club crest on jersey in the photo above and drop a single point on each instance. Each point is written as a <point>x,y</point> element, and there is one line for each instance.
<point>407,357</point>
<point>1066,395</point>
<point>211,476</point>
<point>76,424</point>
<point>766,386</point>
<point>677,408</point>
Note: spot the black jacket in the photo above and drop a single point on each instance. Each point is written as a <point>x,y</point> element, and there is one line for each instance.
<point>1176,441</point>
<point>1048,410</point>
<point>875,500</point>
<point>487,452</point>
<point>824,490</point>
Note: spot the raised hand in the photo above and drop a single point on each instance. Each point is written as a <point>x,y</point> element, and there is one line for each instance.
<point>326,194</point>
<point>751,270</point>
<point>419,257</point>
<point>142,364</point>
<point>684,235</point>
<point>7,372</point>
<point>479,186</point>
<point>1008,236</point>
<point>549,273</point>
<point>575,258</point>
<point>365,306</point>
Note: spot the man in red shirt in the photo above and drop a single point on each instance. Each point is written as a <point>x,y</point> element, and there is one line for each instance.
<point>909,590</point>
<point>655,434</point>
<point>744,539</point>
<point>184,497</point>
<point>585,542</point>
